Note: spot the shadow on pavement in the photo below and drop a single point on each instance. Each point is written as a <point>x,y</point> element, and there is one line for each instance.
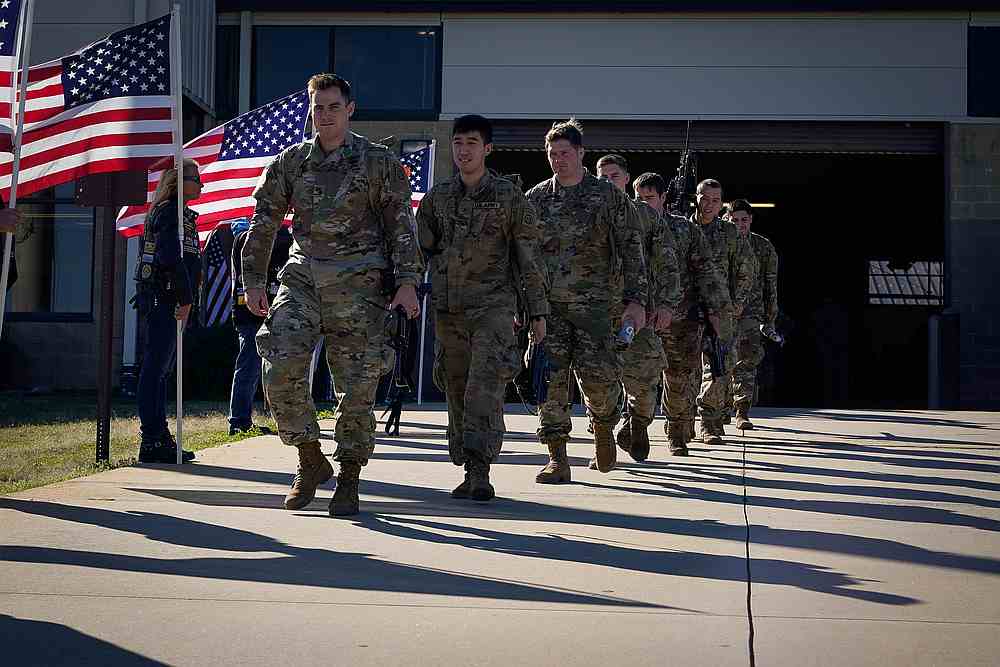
<point>28,642</point>
<point>323,568</point>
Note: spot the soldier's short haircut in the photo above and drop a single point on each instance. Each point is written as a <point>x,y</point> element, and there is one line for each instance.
<point>325,81</point>
<point>474,123</point>
<point>650,180</point>
<point>740,205</point>
<point>571,130</point>
<point>613,158</point>
<point>708,183</point>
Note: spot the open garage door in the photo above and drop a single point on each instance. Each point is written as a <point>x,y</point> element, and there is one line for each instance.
<point>844,198</point>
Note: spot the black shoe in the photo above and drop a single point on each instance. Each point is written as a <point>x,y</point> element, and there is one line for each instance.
<point>169,441</point>
<point>160,452</point>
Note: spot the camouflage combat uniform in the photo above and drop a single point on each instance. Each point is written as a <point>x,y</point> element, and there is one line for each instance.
<point>484,242</point>
<point>644,360</point>
<point>761,308</point>
<point>701,284</point>
<point>352,221</point>
<point>735,260</point>
<point>587,240</point>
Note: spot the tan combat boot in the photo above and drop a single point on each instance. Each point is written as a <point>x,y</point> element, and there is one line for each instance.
<point>313,470</point>
<point>711,433</point>
<point>677,438</point>
<point>556,471</point>
<point>623,440</point>
<point>605,454</point>
<point>345,497</point>
<point>461,491</point>
<point>479,478</point>
<point>743,419</point>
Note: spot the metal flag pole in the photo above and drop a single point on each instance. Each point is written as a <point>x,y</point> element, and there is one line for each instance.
<point>423,304</point>
<point>178,93</point>
<point>23,58</point>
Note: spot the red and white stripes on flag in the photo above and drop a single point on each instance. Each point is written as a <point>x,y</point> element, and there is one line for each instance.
<point>232,158</point>
<point>106,107</point>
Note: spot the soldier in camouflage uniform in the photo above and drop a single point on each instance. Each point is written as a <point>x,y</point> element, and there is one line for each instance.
<point>644,360</point>
<point>587,241</point>
<point>761,311</point>
<point>483,236</point>
<point>736,262</point>
<point>353,225</point>
<point>700,284</point>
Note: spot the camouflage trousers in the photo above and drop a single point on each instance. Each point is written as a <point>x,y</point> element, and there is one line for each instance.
<point>715,391</point>
<point>682,345</point>
<point>642,365</point>
<point>354,333</point>
<point>478,357</point>
<point>579,340</point>
<point>750,352</point>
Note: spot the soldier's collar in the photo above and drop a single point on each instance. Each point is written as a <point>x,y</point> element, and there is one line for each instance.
<point>485,184</point>
<point>318,156</point>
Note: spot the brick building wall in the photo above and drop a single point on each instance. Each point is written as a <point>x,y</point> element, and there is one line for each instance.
<point>974,243</point>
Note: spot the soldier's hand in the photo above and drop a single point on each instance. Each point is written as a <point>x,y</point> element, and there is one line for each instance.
<point>406,296</point>
<point>182,312</point>
<point>538,330</point>
<point>9,219</point>
<point>662,319</point>
<point>636,313</point>
<point>257,301</point>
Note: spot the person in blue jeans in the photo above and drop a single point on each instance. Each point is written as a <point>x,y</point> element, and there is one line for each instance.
<point>247,371</point>
<point>167,283</point>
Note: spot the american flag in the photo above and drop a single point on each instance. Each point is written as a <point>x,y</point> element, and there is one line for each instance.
<point>232,157</point>
<point>107,107</point>
<point>216,299</point>
<point>10,11</point>
<point>419,168</point>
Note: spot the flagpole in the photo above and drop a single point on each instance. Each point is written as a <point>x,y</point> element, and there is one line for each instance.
<point>24,62</point>
<point>427,273</point>
<point>175,84</point>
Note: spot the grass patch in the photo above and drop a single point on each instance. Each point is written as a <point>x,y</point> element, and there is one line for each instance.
<point>51,438</point>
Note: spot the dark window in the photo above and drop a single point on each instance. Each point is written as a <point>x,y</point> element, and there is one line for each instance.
<point>393,70</point>
<point>227,72</point>
<point>284,57</point>
<point>54,250</point>
<point>984,71</point>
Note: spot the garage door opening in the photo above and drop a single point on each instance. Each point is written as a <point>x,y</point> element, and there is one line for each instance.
<point>835,219</point>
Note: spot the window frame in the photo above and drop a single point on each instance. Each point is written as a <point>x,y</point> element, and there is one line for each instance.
<point>63,317</point>
<point>333,23</point>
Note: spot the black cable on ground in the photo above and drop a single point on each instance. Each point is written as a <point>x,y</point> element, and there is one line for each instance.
<point>746,519</point>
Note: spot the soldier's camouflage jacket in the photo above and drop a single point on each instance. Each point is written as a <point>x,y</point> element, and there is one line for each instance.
<point>588,238</point>
<point>763,302</point>
<point>701,281</point>
<point>659,251</point>
<point>351,213</point>
<point>733,257</point>
<point>486,245</point>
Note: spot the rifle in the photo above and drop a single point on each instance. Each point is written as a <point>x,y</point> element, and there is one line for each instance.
<point>681,190</point>
<point>712,346</point>
<point>401,383</point>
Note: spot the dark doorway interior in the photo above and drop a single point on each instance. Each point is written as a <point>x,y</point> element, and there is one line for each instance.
<point>832,215</point>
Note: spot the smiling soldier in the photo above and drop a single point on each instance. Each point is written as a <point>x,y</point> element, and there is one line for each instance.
<point>354,233</point>
<point>483,236</point>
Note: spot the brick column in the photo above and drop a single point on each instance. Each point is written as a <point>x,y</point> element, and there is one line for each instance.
<point>974,258</point>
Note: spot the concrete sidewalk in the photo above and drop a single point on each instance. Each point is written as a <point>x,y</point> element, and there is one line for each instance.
<point>874,539</point>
